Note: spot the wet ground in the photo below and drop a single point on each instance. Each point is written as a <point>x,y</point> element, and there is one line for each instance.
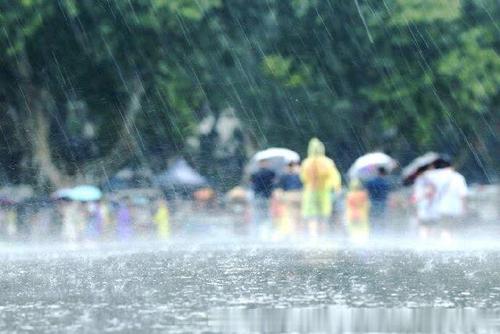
<point>315,286</point>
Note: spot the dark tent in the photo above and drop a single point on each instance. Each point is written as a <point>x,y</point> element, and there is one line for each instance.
<point>180,178</point>
<point>128,179</point>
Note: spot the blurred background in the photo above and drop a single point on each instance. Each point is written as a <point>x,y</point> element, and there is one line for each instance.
<point>88,88</point>
<point>245,166</point>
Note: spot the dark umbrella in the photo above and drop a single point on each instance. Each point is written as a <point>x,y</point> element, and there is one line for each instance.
<point>6,201</point>
<point>420,165</point>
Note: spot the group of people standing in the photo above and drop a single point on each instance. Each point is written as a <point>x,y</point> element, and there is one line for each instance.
<point>301,198</point>
<point>118,220</point>
<point>72,221</point>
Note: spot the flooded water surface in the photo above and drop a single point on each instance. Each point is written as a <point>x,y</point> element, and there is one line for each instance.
<point>259,288</point>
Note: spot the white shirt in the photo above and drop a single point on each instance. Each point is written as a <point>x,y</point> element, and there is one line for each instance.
<point>441,193</point>
<point>422,195</point>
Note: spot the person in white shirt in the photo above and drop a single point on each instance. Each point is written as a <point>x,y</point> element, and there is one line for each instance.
<point>440,195</point>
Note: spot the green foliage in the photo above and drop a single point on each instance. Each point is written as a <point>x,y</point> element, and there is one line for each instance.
<point>281,69</point>
<point>425,11</point>
<point>474,71</point>
<point>402,75</point>
<point>188,9</point>
<point>301,7</point>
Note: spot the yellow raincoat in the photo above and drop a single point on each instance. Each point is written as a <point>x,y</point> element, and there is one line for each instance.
<point>320,177</point>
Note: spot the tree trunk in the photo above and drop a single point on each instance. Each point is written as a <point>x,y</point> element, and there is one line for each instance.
<point>126,143</point>
<point>38,126</point>
<point>37,132</point>
<point>41,150</point>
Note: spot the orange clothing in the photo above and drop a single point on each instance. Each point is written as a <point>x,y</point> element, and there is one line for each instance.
<point>357,206</point>
<point>357,209</point>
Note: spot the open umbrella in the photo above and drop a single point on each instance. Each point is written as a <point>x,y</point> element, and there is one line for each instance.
<point>367,165</point>
<point>6,201</point>
<point>418,166</point>
<point>276,152</point>
<point>276,157</point>
<point>83,193</point>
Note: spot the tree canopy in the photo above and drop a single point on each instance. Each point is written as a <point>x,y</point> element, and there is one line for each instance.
<point>88,87</point>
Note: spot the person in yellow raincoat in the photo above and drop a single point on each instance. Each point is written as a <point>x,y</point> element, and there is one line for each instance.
<point>357,211</point>
<point>320,178</point>
<point>161,219</point>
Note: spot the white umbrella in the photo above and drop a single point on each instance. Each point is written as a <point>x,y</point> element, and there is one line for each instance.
<point>277,158</point>
<point>367,165</point>
<point>277,152</point>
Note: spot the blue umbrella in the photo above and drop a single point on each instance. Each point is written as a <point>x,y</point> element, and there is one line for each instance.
<point>83,193</point>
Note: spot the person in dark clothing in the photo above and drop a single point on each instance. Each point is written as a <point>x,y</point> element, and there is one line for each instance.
<point>378,191</point>
<point>290,180</point>
<point>262,182</point>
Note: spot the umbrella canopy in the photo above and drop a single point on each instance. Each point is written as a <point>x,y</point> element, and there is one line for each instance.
<point>367,165</point>
<point>276,152</point>
<point>6,201</point>
<point>418,166</point>
<point>82,193</point>
<point>86,193</point>
<point>277,158</point>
